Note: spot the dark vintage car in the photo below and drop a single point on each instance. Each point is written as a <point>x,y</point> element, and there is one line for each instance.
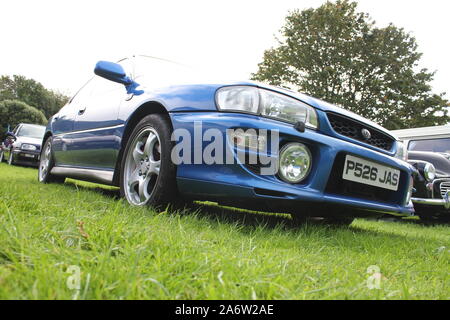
<point>23,145</point>
<point>163,135</point>
<point>429,152</point>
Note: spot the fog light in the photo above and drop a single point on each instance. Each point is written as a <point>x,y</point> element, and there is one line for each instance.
<point>294,163</point>
<point>430,172</point>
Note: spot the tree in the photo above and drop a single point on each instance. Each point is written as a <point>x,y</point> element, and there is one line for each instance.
<point>13,112</point>
<point>32,93</point>
<point>338,54</point>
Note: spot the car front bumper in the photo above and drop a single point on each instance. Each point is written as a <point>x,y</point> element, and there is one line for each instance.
<point>237,184</point>
<point>26,157</point>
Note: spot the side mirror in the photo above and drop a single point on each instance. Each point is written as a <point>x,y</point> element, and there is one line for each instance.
<point>113,72</point>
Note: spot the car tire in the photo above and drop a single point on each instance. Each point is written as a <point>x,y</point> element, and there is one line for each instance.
<point>46,164</point>
<point>147,173</point>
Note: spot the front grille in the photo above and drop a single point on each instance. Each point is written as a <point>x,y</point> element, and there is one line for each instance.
<point>338,186</point>
<point>445,187</point>
<point>353,129</point>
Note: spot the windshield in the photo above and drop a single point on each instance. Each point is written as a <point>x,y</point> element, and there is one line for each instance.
<point>432,145</point>
<point>31,131</point>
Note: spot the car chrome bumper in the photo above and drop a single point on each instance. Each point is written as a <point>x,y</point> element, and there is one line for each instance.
<point>445,202</point>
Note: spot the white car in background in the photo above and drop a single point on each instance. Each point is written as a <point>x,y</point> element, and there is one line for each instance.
<point>23,145</point>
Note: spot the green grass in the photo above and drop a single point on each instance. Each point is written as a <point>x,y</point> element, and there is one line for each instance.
<point>125,252</point>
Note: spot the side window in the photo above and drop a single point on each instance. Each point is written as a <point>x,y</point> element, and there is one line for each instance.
<point>128,66</point>
<point>82,93</point>
<point>99,86</point>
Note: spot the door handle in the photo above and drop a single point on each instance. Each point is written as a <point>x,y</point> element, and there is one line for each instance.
<point>81,111</point>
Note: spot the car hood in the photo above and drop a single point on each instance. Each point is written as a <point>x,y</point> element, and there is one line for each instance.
<point>440,161</point>
<point>209,87</point>
<point>34,141</point>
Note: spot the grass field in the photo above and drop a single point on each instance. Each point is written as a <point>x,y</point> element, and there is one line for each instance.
<point>124,252</point>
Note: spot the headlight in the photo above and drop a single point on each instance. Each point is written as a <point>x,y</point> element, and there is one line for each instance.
<point>266,103</point>
<point>401,153</point>
<point>28,147</point>
<point>429,172</point>
<point>294,163</point>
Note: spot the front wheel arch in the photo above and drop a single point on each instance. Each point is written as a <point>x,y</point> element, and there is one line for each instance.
<point>140,113</point>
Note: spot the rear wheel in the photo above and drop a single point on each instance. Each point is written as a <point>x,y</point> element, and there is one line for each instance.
<point>148,175</point>
<point>46,164</point>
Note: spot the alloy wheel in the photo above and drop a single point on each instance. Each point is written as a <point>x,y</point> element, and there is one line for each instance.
<point>142,166</point>
<point>44,162</point>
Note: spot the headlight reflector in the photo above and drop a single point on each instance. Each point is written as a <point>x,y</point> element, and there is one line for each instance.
<point>28,147</point>
<point>275,105</point>
<point>294,163</point>
<point>238,98</point>
<point>266,103</point>
<point>430,172</point>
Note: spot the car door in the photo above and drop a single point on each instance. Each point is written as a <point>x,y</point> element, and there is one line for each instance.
<point>62,125</point>
<point>97,131</point>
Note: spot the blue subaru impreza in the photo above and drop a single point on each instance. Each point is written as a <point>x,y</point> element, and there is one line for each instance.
<point>164,136</point>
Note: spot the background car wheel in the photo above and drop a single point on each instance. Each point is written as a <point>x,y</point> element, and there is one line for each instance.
<point>46,163</point>
<point>11,158</point>
<point>148,175</point>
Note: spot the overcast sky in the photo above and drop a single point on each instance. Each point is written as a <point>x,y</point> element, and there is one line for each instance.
<point>58,42</point>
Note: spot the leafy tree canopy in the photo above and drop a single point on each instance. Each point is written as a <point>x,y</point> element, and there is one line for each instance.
<point>32,93</point>
<point>338,54</point>
<point>13,112</point>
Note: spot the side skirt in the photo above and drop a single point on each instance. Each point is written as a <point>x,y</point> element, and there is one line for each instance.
<point>91,175</point>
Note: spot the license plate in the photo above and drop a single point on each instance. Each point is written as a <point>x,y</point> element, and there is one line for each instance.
<point>29,155</point>
<point>370,173</point>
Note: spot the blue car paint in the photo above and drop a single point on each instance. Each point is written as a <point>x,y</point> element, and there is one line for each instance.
<point>238,182</point>
<point>189,103</point>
